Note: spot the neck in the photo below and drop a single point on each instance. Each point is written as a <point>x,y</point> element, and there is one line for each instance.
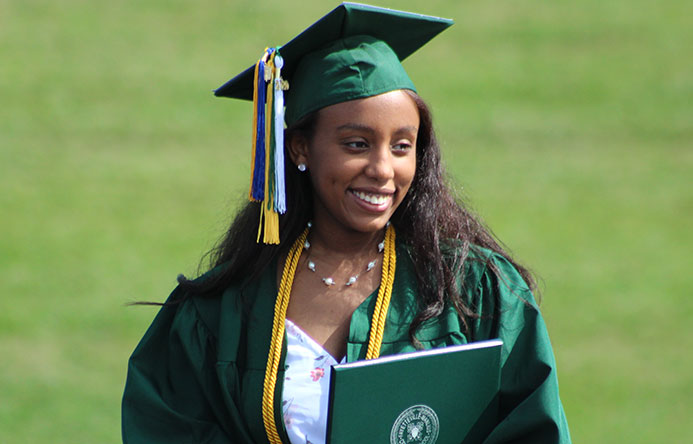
<point>344,242</point>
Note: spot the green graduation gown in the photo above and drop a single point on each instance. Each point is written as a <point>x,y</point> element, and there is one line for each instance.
<point>197,374</point>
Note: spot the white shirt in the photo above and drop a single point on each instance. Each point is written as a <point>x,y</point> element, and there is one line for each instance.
<point>306,387</point>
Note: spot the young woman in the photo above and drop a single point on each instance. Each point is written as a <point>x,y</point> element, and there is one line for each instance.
<point>371,239</point>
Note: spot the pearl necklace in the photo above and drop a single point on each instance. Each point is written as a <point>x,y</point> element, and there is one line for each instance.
<point>352,279</point>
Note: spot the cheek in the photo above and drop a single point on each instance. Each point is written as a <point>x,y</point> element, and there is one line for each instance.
<point>324,176</point>
<point>327,181</point>
<point>406,171</point>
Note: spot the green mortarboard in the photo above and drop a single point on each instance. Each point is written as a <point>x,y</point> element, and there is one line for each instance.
<point>352,52</point>
<point>355,51</point>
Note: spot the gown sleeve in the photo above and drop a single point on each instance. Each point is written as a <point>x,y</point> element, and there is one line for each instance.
<point>171,394</point>
<point>530,410</point>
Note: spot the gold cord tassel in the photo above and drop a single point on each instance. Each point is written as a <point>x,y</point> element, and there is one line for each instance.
<point>387,279</point>
<point>384,293</point>
<point>277,338</point>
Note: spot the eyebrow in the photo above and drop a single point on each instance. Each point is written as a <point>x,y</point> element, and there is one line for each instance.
<point>368,129</point>
<point>356,126</point>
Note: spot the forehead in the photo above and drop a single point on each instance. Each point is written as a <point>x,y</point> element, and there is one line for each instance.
<point>392,109</point>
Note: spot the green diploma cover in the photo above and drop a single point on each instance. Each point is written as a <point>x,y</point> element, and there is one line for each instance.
<point>444,396</point>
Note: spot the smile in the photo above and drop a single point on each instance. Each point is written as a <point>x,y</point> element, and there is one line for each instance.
<point>374,199</point>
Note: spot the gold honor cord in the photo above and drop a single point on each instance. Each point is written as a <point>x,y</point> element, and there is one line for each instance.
<point>387,278</point>
<point>375,339</point>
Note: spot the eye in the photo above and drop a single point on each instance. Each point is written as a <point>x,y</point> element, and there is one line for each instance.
<point>357,145</point>
<point>402,147</point>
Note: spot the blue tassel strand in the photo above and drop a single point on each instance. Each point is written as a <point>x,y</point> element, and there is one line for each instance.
<point>258,186</point>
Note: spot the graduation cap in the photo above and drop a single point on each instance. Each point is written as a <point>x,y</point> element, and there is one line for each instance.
<point>354,51</point>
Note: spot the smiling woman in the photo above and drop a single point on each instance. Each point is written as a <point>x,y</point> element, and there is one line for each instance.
<point>362,159</point>
<point>242,353</point>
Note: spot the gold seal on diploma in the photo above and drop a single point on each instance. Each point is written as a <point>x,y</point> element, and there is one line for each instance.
<point>416,425</point>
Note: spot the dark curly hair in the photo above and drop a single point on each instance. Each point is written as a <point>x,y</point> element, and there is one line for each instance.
<point>428,219</point>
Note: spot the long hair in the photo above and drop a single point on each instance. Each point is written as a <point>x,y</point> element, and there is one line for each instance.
<point>428,219</point>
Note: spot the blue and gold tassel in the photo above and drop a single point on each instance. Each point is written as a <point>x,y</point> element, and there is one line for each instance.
<point>267,180</point>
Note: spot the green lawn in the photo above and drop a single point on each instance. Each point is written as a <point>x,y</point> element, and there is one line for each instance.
<point>567,125</point>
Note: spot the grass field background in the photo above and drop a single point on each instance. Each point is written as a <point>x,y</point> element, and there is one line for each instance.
<point>568,125</point>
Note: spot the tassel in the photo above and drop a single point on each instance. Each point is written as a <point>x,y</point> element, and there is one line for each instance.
<point>267,178</point>
<point>271,225</point>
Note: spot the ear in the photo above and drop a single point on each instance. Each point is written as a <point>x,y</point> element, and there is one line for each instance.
<point>297,148</point>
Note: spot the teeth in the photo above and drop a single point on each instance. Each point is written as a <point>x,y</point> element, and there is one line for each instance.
<point>375,199</point>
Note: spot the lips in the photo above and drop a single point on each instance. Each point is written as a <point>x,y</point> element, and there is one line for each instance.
<point>377,199</point>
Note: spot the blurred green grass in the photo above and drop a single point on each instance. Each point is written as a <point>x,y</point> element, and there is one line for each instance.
<point>567,125</point>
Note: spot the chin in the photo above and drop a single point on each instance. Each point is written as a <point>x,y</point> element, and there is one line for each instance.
<point>370,226</point>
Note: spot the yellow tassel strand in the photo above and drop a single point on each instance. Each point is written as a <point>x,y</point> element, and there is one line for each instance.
<point>271,234</point>
<point>254,139</point>
<point>387,279</point>
<point>268,226</point>
<point>260,224</point>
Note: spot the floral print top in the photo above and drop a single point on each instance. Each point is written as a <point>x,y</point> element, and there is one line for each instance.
<point>306,387</point>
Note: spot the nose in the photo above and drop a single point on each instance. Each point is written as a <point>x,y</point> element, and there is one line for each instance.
<point>380,164</point>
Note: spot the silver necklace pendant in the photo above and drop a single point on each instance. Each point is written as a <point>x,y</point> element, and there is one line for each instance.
<point>352,280</point>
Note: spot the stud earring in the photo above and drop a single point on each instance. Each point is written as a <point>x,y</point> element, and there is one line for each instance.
<point>301,167</point>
